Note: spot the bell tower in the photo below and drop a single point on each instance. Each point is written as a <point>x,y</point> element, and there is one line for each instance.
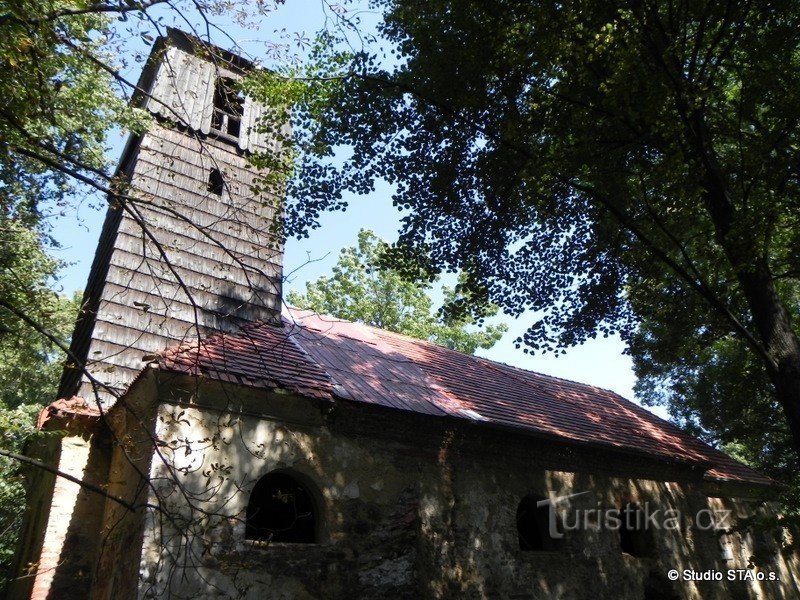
<point>187,247</point>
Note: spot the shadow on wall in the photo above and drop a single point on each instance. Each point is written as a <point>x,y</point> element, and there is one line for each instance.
<point>81,545</point>
<point>233,310</point>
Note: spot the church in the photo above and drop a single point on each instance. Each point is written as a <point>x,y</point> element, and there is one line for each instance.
<point>215,444</point>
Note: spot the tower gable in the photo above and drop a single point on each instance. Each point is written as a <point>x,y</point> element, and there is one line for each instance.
<point>180,82</point>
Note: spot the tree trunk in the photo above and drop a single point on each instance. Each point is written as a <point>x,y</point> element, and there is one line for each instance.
<point>787,391</point>
<point>781,344</point>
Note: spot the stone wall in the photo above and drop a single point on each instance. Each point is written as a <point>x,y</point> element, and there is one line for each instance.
<point>414,507</point>
<point>57,557</point>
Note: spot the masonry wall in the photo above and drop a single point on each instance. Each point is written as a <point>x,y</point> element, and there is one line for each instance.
<point>128,485</point>
<point>40,485</point>
<point>414,508</point>
<point>58,553</point>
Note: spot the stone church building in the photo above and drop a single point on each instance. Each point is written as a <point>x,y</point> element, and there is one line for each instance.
<point>217,446</point>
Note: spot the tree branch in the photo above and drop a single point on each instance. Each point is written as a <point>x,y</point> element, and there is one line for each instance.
<point>81,482</point>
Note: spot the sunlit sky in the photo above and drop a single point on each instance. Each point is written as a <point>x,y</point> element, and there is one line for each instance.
<point>598,362</point>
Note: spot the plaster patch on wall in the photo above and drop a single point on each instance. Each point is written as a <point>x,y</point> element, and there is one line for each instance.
<point>393,572</point>
<point>351,491</point>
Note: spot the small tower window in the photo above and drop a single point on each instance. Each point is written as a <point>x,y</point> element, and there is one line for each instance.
<point>281,510</point>
<point>216,183</point>
<point>533,526</point>
<point>633,538</point>
<point>228,108</point>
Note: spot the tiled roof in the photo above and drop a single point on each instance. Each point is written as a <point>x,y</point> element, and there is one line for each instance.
<point>68,410</point>
<point>261,355</point>
<point>323,357</point>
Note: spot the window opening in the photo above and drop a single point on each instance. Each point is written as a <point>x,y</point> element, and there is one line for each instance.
<point>533,526</point>
<point>216,183</point>
<point>633,530</point>
<point>281,510</point>
<point>228,108</point>
<point>658,587</point>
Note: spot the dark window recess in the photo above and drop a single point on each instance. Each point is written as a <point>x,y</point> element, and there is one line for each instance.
<point>280,510</point>
<point>216,183</point>
<point>228,108</point>
<point>633,538</point>
<point>658,587</point>
<point>533,526</point>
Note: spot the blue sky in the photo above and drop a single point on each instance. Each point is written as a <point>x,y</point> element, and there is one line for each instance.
<point>598,362</point>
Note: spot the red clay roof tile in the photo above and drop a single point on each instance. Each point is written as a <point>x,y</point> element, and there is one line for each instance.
<point>324,357</point>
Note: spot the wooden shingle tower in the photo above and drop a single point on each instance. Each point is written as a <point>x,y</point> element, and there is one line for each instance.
<point>187,248</point>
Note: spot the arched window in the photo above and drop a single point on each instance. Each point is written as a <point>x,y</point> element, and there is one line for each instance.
<point>281,509</point>
<point>633,537</point>
<point>533,525</point>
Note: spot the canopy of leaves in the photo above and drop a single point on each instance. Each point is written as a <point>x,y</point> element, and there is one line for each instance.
<point>613,167</point>
<point>361,289</point>
<point>57,102</point>
<point>716,389</point>
<point>28,373</point>
<point>540,147</point>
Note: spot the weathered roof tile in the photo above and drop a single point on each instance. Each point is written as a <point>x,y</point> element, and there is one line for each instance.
<point>324,357</point>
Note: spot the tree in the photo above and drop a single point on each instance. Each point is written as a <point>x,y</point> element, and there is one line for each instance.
<point>28,371</point>
<point>360,289</point>
<point>600,163</point>
<point>718,391</point>
<point>58,102</point>
<point>30,364</point>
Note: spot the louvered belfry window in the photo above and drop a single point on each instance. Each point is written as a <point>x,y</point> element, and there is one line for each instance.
<point>228,109</point>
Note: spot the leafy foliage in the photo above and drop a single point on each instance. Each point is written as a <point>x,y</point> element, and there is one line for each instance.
<point>28,373</point>
<point>284,89</point>
<point>360,289</point>
<point>606,166</point>
<point>29,362</point>
<point>718,391</point>
<point>58,102</point>
<point>17,425</point>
